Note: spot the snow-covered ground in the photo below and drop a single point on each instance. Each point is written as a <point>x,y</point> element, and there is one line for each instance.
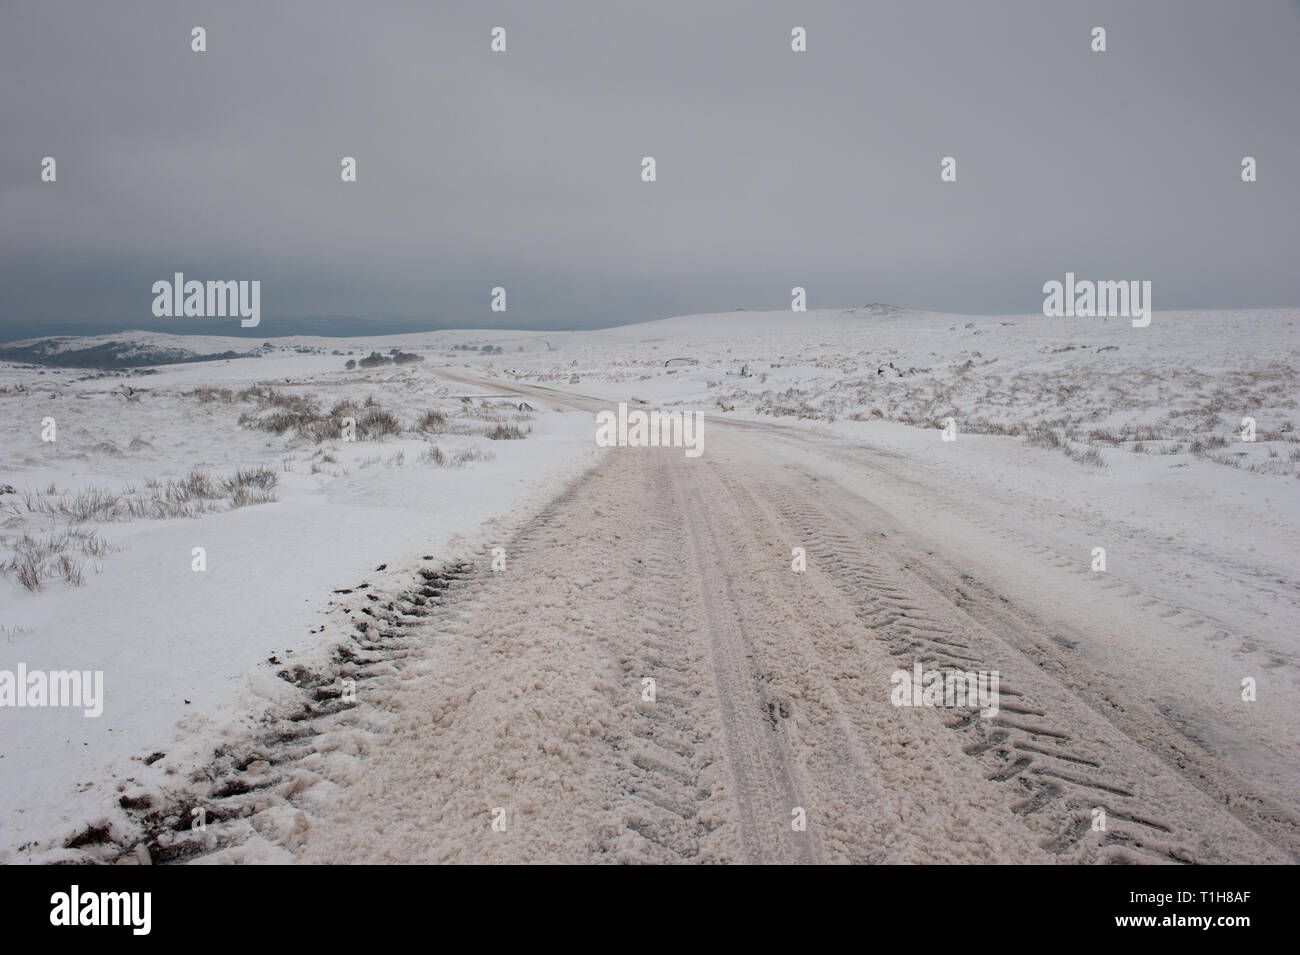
<point>1136,433</point>
<point>185,653</point>
<point>1070,434</point>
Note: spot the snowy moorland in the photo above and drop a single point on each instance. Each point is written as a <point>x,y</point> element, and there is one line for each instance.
<point>245,460</point>
<point>207,535</point>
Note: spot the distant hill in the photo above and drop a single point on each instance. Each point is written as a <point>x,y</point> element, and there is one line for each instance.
<point>173,342</point>
<point>63,353</point>
<point>324,326</point>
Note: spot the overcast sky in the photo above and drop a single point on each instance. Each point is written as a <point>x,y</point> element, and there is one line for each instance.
<point>523,169</point>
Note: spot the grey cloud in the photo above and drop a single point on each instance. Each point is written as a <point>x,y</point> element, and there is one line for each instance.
<point>522,169</point>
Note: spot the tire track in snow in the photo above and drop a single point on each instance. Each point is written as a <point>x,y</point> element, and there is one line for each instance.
<point>521,695</point>
<point>651,566</point>
<point>1065,758</point>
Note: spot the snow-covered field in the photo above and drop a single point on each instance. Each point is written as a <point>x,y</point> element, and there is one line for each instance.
<point>1069,435</point>
<point>185,653</point>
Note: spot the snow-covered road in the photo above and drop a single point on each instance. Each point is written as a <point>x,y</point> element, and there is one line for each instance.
<point>519,726</point>
<point>566,651</point>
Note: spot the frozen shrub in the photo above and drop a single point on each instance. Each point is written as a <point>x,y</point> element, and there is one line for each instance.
<point>36,560</point>
<point>1042,436</point>
<point>1089,456</point>
<point>251,479</point>
<point>206,395</point>
<point>375,423</point>
<point>507,432</point>
<point>432,421</point>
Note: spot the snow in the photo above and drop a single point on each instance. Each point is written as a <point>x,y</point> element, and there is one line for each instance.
<point>184,653</point>
<point>1189,537</point>
<point>1211,541</point>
